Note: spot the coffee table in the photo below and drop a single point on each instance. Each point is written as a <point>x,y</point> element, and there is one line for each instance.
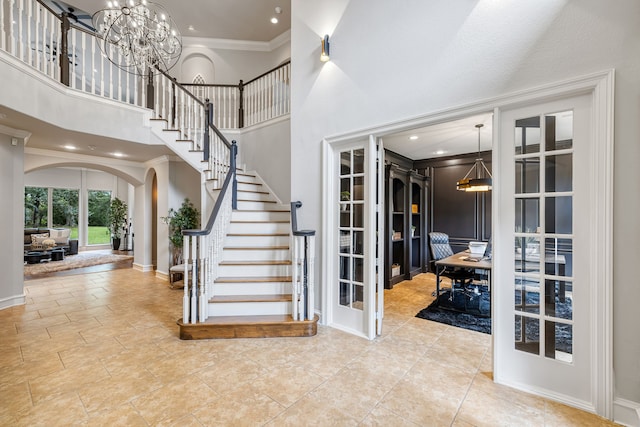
<point>35,257</point>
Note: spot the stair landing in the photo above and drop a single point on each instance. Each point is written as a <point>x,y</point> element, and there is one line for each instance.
<point>266,326</point>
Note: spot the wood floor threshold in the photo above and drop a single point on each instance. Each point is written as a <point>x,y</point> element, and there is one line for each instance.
<point>253,279</point>
<point>251,298</point>
<point>228,327</point>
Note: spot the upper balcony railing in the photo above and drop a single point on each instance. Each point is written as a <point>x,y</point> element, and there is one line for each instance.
<point>259,100</point>
<point>37,36</point>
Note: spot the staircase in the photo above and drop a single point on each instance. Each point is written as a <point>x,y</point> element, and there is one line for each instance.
<point>252,293</point>
<point>252,290</point>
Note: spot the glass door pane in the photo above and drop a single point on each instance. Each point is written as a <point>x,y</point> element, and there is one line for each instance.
<point>98,224</point>
<point>543,231</point>
<point>351,242</point>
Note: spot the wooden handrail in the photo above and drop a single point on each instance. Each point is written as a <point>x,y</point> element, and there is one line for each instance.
<point>229,179</point>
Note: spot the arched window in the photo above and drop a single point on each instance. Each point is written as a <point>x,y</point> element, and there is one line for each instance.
<point>199,92</point>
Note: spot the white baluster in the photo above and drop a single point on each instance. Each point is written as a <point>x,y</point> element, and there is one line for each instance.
<point>294,279</point>
<point>203,300</point>
<point>84,70</point>
<point>311,254</point>
<point>185,275</point>
<point>194,282</point>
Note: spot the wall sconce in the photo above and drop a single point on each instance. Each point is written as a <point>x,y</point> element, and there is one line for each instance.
<point>324,56</point>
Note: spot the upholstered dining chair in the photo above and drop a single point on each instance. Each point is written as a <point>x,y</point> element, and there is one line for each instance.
<point>440,248</point>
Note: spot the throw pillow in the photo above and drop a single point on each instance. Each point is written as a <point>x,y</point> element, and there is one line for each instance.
<point>60,235</point>
<point>37,239</point>
<point>48,243</point>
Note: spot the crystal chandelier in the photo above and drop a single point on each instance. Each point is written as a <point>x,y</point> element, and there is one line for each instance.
<point>138,36</point>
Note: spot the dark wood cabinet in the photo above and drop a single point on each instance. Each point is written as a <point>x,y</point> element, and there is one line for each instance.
<point>405,224</point>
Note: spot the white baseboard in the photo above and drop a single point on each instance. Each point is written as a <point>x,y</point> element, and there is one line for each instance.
<point>143,268</point>
<point>626,412</point>
<point>162,275</point>
<point>12,301</point>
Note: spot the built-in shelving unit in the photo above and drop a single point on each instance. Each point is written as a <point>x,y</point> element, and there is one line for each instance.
<point>405,228</point>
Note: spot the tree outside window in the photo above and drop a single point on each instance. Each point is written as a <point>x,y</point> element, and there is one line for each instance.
<point>35,207</point>
<point>65,210</point>
<point>98,203</point>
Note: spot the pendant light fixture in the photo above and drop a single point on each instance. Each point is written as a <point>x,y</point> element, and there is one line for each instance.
<point>482,179</point>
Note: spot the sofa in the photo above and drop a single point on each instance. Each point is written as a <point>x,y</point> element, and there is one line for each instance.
<point>38,239</point>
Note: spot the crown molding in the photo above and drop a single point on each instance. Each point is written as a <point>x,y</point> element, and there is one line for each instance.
<point>229,44</point>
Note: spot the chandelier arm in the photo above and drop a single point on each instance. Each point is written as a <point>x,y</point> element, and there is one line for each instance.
<point>468,173</point>
<point>487,170</point>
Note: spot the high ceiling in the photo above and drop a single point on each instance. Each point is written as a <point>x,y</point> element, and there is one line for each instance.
<point>248,20</point>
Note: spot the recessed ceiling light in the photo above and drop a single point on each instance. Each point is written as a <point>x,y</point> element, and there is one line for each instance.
<point>70,147</point>
<point>439,152</point>
<point>118,154</point>
<point>191,28</point>
<point>274,20</point>
<point>413,137</point>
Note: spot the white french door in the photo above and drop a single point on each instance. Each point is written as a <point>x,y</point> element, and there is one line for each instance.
<point>544,293</point>
<point>350,222</point>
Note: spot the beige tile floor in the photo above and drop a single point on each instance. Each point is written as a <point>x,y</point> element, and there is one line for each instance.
<point>101,349</point>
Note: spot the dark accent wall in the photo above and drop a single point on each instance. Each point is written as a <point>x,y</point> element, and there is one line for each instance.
<point>464,216</point>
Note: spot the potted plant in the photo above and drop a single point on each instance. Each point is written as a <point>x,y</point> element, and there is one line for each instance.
<point>116,218</point>
<point>187,217</point>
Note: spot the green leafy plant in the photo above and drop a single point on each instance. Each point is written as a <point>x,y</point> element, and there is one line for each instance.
<point>117,217</point>
<point>187,217</point>
<point>345,196</point>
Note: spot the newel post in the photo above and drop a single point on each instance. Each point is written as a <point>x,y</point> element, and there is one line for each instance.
<point>173,103</point>
<point>64,49</point>
<point>241,109</point>
<point>232,163</point>
<point>150,90</point>
<point>207,124</point>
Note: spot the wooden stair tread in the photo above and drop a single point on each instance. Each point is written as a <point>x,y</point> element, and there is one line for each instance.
<point>261,201</point>
<point>253,191</point>
<point>266,221</point>
<point>270,262</point>
<point>251,298</point>
<point>262,326</point>
<point>255,248</point>
<point>263,210</point>
<point>253,279</point>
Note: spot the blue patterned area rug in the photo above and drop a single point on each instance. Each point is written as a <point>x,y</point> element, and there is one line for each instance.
<point>468,310</point>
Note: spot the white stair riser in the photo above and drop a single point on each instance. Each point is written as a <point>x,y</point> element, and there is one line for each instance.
<point>249,308</point>
<point>245,179</point>
<point>255,205</point>
<point>250,186</point>
<point>255,254</point>
<point>259,227</point>
<point>253,270</point>
<point>260,241</point>
<point>260,216</point>
<point>249,195</point>
<point>262,288</point>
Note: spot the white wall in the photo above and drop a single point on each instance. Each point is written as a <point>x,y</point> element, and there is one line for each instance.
<point>229,65</point>
<point>270,141</point>
<point>11,218</point>
<point>395,60</point>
